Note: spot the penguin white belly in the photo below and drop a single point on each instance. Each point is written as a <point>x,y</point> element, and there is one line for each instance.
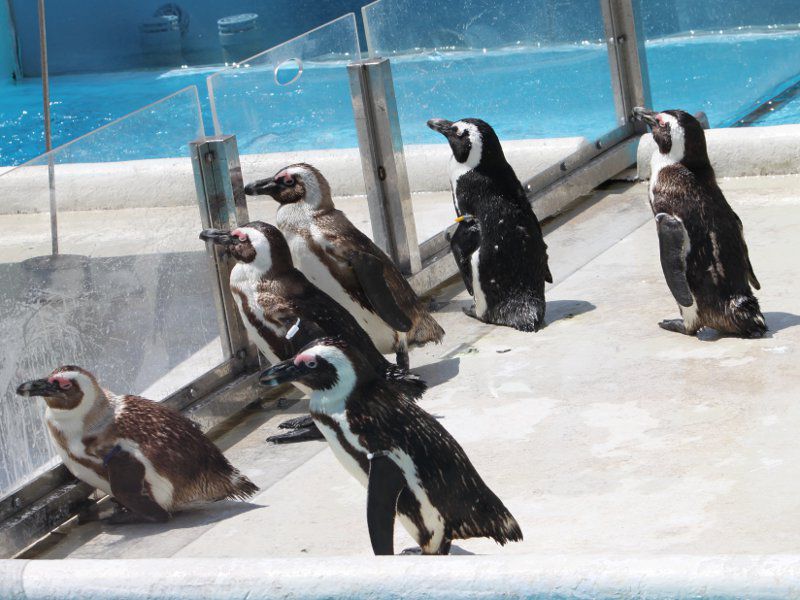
<point>381,334</point>
<point>345,459</point>
<point>77,450</point>
<point>479,296</point>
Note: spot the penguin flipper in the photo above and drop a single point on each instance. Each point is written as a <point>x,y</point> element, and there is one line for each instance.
<point>386,481</point>
<point>751,274</point>
<point>126,477</point>
<point>673,242</point>
<point>369,271</point>
<point>466,239</point>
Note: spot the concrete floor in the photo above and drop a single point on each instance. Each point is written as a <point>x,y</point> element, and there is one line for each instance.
<point>602,433</point>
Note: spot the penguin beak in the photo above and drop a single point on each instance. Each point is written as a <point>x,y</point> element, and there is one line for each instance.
<point>283,372</point>
<point>262,187</point>
<point>640,113</point>
<point>38,387</point>
<point>441,125</point>
<point>219,237</point>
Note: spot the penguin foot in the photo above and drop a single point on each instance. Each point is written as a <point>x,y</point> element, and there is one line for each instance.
<point>124,516</point>
<point>415,551</point>
<point>297,435</point>
<point>675,325</point>
<point>402,359</point>
<point>88,511</point>
<point>297,423</point>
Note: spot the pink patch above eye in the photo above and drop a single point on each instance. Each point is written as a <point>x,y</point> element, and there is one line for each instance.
<point>62,382</point>
<point>303,358</point>
<point>239,234</point>
<point>660,119</point>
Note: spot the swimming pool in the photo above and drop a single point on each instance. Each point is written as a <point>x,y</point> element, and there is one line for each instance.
<point>524,92</point>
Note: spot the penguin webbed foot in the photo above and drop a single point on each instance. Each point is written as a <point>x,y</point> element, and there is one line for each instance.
<point>674,325</point>
<point>125,516</point>
<point>301,434</point>
<point>413,551</point>
<point>298,423</point>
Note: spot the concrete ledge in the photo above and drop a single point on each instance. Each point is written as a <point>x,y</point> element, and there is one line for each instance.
<point>652,577</point>
<point>741,151</point>
<point>170,181</point>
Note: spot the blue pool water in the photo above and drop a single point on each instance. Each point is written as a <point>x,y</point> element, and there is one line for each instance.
<point>524,92</point>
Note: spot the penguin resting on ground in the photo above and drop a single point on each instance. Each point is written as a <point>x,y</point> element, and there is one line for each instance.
<point>345,264</point>
<point>498,244</point>
<point>408,462</point>
<point>151,459</point>
<point>283,311</point>
<point>703,253</point>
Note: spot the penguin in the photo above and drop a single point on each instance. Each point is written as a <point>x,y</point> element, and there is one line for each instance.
<point>498,244</point>
<point>703,253</point>
<point>283,311</point>
<point>410,465</point>
<point>150,458</point>
<point>345,263</point>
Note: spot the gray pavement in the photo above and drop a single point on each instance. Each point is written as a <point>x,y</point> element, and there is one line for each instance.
<point>602,433</point>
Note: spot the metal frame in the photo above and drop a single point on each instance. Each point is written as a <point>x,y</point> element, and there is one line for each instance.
<point>383,162</point>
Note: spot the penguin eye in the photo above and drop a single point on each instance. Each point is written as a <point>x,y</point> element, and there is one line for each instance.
<point>64,384</point>
<point>288,180</point>
<point>311,364</point>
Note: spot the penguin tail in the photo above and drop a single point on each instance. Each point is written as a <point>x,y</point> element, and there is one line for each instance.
<point>745,314</point>
<point>425,330</point>
<point>241,488</point>
<point>508,530</point>
<point>524,312</point>
<point>405,381</point>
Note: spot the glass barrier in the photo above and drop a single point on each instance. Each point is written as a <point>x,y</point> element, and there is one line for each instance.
<point>292,104</point>
<point>128,296</point>
<point>531,69</point>
<point>724,57</point>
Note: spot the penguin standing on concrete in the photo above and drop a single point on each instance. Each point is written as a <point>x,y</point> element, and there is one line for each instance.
<point>283,311</point>
<point>150,458</point>
<point>703,253</point>
<point>498,245</point>
<point>407,461</point>
<point>345,264</point>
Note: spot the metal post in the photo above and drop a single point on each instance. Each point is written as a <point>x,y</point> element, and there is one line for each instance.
<point>627,59</point>
<point>220,194</point>
<point>383,162</point>
<point>48,138</point>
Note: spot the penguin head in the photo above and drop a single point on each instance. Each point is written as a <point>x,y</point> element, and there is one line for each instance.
<point>298,183</point>
<point>258,244</point>
<point>325,365</point>
<point>472,141</point>
<point>677,134</point>
<point>67,388</point>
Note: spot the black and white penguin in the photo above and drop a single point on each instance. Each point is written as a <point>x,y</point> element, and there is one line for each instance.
<point>283,311</point>
<point>407,461</point>
<point>345,263</point>
<point>703,253</point>
<point>150,458</point>
<point>498,244</point>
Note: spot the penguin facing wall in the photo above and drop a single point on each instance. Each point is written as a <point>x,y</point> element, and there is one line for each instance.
<point>150,458</point>
<point>345,264</point>
<point>704,256</point>
<point>498,244</point>
<point>410,465</point>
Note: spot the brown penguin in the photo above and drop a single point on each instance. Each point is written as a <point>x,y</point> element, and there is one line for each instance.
<point>150,458</point>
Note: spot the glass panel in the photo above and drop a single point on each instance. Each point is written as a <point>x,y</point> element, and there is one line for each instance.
<point>532,69</point>
<point>292,104</point>
<point>129,295</point>
<point>724,57</point>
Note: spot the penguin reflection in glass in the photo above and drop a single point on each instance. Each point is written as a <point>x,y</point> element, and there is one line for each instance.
<point>150,458</point>
<point>283,311</point>
<point>345,264</point>
<point>703,253</point>
<point>408,462</point>
<point>498,244</point>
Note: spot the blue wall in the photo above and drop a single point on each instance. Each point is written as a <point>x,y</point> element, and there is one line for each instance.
<point>8,47</point>
<point>103,35</point>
